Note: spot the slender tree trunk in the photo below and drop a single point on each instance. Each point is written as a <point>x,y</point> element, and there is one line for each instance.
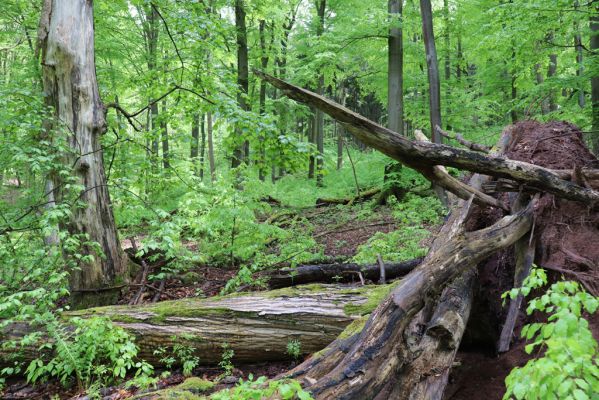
<point>514,89</point>
<point>210,146</point>
<point>311,139</point>
<point>551,71</point>
<point>69,78</point>
<point>241,152</point>
<point>447,61</point>
<point>321,7</point>
<point>395,73</point>
<point>432,69</point>
<point>202,147</point>
<point>195,141</point>
<point>594,22</point>
<point>579,60</point>
<point>263,64</point>
<point>164,136</point>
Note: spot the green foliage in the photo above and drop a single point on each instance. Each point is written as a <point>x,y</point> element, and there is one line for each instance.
<point>568,368</point>
<point>95,353</point>
<point>226,357</point>
<point>180,354</point>
<point>400,245</point>
<point>262,389</point>
<point>294,348</point>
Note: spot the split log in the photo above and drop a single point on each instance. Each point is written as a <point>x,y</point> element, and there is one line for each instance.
<point>422,156</point>
<point>335,272</point>
<point>377,363</point>
<point>257,326</point>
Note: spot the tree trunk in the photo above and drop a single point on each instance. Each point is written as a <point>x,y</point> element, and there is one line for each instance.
<point>312,139</point>
<point>579,59</point>
<point>263,64</point>
<point>551,71</point>
<point>164,136</point>
<point>202,147</point>
<point>395,73</point>
<point>423,156</point>
<point>323,273</point>
<point>241,151</point>
<point>432,69</point>
<point>256,326</point>
<point>385,361</point>
<point>594,22</point>
<point>319,119</point>
<point>70,87</point>
<point>195,142</point>
<point>210,146</point>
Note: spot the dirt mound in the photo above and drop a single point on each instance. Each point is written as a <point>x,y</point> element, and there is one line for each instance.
<point>566,231</point>
<point>566,234</point>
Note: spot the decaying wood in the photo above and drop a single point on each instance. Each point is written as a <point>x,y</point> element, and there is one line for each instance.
<point>374,364</point>
<point>257,326</point>
<point>324,273</point>
<point>463,191</point>
<point>422,156</point>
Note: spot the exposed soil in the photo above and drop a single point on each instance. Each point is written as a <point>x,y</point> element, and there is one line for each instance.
<point>566,234</point>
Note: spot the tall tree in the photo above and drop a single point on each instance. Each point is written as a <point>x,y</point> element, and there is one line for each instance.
<point>66,35</point>
<point>594,22</point>
<point>579,60</point>
<point>432,69</point>
<point>241,152</point>
<point>319,118</point>
<point>395,69</point>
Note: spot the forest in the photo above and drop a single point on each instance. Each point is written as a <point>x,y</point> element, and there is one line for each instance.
<point>299,199</point>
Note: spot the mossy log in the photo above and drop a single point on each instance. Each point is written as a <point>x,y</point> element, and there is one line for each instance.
<point>257,326</point>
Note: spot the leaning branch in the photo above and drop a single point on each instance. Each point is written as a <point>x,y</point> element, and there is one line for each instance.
<point>422,156</point>
<point>461,140</point>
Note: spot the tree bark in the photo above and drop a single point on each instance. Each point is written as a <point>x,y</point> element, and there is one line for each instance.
<point>424,156</point>
<point>328,273</point>
<point>551,71</point>
<point>579,58</point>
<point>319,118</point>
<point>395,68</point>
<point>262,101</point>
<point>202,146</point>
<point>164,138</point>
<point>257,326</point>
<point>594,22</point>
<point>69,78</point>
<point>195,142</point>
<point>380,364</point>
<point>241,151</point>
<point>210,146</point>
<point>432,69</point>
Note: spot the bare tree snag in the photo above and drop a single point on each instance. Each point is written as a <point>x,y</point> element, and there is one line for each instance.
<point>66,35</point>
<point>421,155</point>
<point>257,326</point>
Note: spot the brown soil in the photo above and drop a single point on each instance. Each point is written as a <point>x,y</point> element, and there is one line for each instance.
<point>566,234</point>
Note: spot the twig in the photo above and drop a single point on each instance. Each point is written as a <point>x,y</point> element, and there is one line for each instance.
<point>461,140</point>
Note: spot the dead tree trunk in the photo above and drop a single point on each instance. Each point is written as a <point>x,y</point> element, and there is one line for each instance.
<point>69,76</point>
<point>423,156</point>
<point>380,363</point>
<point>335,272</point>
<point>257,326</point>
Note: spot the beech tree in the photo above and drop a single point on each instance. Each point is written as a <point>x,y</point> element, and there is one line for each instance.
<point>66,34</point>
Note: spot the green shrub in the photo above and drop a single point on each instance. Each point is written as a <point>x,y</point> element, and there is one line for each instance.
<point>568,368</point>
<point>261,389</point>
<point>95,352</point>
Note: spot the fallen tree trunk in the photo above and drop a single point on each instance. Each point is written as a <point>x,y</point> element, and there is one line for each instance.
<point>363,196</point>
<point>377,363</point>
<point>327,273</point>
<point>423,156</point>
<point>257,326</point>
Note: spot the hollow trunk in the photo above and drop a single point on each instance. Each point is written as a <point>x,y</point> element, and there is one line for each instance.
<point>257,326</point>
<point>70,88</point>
